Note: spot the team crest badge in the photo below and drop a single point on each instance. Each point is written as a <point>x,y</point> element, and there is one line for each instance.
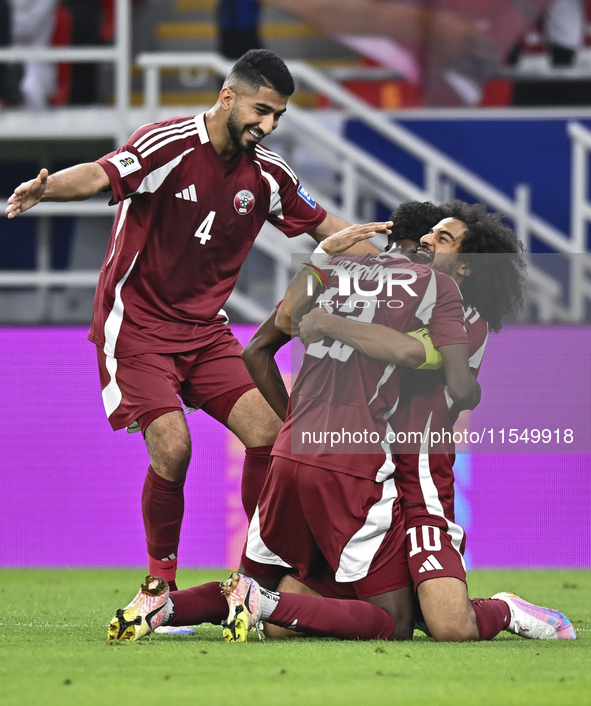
<point>244,202</point>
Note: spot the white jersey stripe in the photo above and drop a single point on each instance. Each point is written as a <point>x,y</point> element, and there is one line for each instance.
<point>275,205</point>
<point>115,318</point>
<point>166,142</point>
<point>265,157</point>
<point>201,128</point>
<point>112,395</point>
<point>388,467</point>
<point>476,358</point>
<point>275,157</point>
<point>388,370</point>
<point>360,550</point>
<point>425,309</point>
<point>155,179</point>
<point>160,140</point>
<point>431,496</point>
<point>120,222</point>
<point>160,129</point>
<point>256,549</point>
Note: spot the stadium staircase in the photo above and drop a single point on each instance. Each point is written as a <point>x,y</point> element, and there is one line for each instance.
<point>345,178</point>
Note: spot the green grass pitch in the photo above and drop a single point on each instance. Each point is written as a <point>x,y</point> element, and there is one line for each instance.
<point>53,650</point>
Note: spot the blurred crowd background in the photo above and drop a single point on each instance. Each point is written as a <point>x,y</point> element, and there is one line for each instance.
<point>422,52</point>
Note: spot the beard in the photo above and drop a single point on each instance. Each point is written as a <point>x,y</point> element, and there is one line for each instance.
<point>446,263</point>
<point>237,134</point>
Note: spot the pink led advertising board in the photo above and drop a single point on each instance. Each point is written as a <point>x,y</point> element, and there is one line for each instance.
<point>71,487</point>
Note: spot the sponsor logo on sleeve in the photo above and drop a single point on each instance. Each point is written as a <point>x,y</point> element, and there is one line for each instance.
<point>126,163</point>
<point>302,193</point>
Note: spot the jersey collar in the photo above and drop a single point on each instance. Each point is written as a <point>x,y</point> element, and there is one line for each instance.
<point>201,128</point>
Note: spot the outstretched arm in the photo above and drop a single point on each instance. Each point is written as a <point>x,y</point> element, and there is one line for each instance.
<point>332,225</point>
<point>259,358</point>
<point>73,184</point>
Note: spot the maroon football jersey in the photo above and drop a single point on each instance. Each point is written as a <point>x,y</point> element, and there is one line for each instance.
<point>424,402</point>
<point>342,391</point>
<point>186,221</point>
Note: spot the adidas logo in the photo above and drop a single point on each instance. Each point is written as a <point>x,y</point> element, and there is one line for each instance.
<point>430,564</point>
<point>188,194</point>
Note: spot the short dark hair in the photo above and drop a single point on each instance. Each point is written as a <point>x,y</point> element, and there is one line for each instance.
<point>413,219</point>
<point>495,257</point>
<point>261,67</point>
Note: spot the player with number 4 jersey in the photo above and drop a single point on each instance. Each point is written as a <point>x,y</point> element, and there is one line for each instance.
<point>177,243</point>
<point>192,195</point>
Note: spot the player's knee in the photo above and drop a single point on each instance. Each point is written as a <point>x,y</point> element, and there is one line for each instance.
<point>179,454</point>
<point>170,459</point>
<point>449,632</point>
<point>253,421</point>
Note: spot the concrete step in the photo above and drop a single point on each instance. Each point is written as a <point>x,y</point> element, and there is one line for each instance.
<point>182,31</point>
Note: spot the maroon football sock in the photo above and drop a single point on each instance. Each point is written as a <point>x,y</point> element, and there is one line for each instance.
<point>254,473</point>
<point>163,503</point>
<point>331,617</point>
<point>201,604</point>
<point>492,616</point>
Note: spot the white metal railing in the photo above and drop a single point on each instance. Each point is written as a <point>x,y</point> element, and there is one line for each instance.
<point>118,54</point>
<point>358,175</point>
<point>442,174</point>
<point>360,180</point>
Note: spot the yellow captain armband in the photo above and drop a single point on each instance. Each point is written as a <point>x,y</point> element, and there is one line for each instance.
<point>433,359</point>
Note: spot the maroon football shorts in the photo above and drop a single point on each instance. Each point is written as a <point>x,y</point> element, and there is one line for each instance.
<point>435,543</point>
<point>212,377</point>
<point>308,515</point>
<point>432,554</point>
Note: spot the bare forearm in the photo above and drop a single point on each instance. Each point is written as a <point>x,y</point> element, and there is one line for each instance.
<point>259,358</point>
<point>332,225</point>
<point>462,386</point>
<point>283,321</point>
<point>266,376</point>
<point>295,304</point>
<point>375,341</point>
<point>76,183</point>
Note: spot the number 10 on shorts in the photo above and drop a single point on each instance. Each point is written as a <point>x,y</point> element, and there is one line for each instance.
<point>431,539</point>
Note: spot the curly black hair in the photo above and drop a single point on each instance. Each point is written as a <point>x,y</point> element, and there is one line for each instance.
<point>495,257</point>
<point>261,67</point>
<point>413,219</point>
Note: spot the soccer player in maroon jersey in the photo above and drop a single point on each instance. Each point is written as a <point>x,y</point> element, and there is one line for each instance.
<point>204,603</point>
<point>484,257</point>
<point>193,193</point>
<point>343,508</point>
<point>490,275</point>
<point>382,576</point>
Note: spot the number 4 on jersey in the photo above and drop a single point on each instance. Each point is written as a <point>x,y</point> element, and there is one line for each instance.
<point>203,232</point>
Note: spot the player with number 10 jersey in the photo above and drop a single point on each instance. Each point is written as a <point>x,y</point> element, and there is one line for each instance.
<point>343,506</point>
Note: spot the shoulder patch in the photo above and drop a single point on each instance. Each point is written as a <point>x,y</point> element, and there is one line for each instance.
<point>126,163</point>
<point>302,193</point>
